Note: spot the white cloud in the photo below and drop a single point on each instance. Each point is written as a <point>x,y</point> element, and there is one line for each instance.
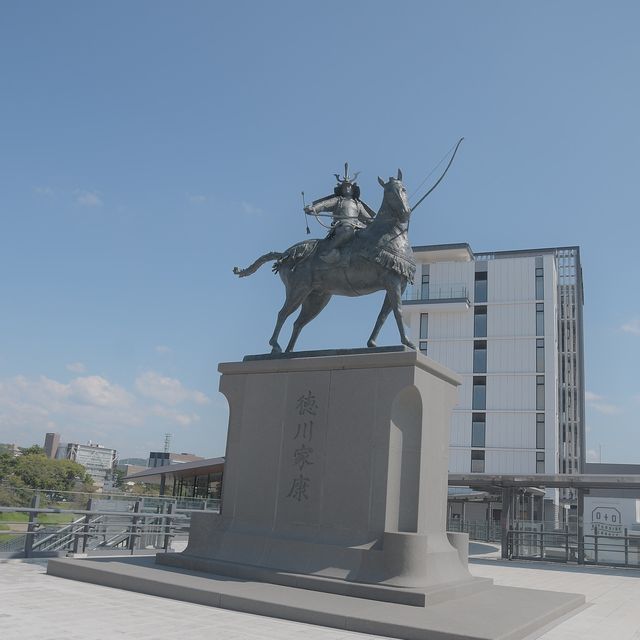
<point>249,208</point>
<point>597,403</point>
<point>167,390</point>
<point>606,408</point>
<point>196,198</point>
<point>92,407</point>
<point>76,367</point>
<point>98,391</point>
<point>181,419</point>
<point>592,455</point>
<point>633,327</point>
<point>88,199</point>
<point>47,192</point>
<point>163,349</point>
<point>37,404</point>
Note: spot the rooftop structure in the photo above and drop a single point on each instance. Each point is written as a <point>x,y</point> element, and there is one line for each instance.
<point>161,458</point>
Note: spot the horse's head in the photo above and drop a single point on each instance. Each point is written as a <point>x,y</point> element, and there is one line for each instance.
<point>395,200</point>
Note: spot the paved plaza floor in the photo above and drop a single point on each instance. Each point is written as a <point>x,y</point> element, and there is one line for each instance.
<point>35,606</point>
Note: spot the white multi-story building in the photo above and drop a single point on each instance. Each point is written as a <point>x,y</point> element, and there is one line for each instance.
<point>510,323</point>
<point>98,461</point>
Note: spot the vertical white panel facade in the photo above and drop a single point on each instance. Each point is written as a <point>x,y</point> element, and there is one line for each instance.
<point>510,323</point>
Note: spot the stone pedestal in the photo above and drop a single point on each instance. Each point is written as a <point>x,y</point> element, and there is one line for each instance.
<point>336,467</point>
<point>334,506</point>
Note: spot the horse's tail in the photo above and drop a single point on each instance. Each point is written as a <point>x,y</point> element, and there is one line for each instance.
<point>242,273</point>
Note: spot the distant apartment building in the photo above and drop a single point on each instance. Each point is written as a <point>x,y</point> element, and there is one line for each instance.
<point>51,443</point>
<point>138,462</point>
<point>163,458</point>
<point>510,323</point>
<point>98,461</point>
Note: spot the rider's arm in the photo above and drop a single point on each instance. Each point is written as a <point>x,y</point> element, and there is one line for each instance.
<point>326,204</point>
<point>363,214</point>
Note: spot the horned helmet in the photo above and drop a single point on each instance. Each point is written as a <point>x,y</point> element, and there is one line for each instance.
<point>347,185</point>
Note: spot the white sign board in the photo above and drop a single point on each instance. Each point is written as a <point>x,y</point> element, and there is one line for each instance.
<point>609,518</point>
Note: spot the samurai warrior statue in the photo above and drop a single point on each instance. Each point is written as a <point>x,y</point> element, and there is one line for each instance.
<point>349,213</point>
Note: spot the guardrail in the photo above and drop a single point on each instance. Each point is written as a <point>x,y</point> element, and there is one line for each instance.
<point>565,546</point>
<point>436,292</point>
<point>137,527</point>
<point>478,530</point>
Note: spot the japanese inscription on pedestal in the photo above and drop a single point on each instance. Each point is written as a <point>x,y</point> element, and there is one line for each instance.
<point>302,434</point>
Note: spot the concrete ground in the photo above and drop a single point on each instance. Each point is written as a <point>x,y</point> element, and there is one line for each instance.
<point>34,606</point>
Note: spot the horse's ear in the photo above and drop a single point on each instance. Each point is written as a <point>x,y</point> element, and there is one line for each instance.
<point>381,182</point>
<point>399,174</point>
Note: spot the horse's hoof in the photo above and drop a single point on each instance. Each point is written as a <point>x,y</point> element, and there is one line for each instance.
<point>276,349</point>
<point>372,344</point>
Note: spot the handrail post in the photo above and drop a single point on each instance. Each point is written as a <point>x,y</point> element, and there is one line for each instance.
<point>580,526</point>
<point>167,526</point>
<point>626,547</point>
<point>85,527</point>
<point>31,527</point>
<point>505,520</point>
<point>134,523</point>
<point>541,544</point>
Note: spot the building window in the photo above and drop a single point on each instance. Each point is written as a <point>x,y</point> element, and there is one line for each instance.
<point>540,393</point>
<point>478,430</point>
<point>539,318</point>
<point>424,289</point>
<point>423,347</point>
<point>539,430</point>
<point>480,322</point>
<point>480,292</point>
<point>480,356</point>
<point>477,461</point>
<point>539,462</point>
<point>479,401</point>
<point>424,325</point>
<point>539,283</point>
<point>540,355</point>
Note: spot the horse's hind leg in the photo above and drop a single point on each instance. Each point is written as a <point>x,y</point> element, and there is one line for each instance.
<point>311,307</point>
<point>382,316</point>
<point>292,302</point>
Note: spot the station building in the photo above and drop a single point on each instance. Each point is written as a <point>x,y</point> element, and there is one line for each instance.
<point>510,324</point>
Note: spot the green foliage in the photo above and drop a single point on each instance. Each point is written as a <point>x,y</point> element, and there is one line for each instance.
<point>34,449</point>
<point>118,477</point>
<point>18,476</point>
<point>145,489</point>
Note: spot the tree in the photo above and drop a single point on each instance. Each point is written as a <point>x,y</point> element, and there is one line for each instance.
<point>34,449</point>
<point>118,477</point>
<point>37,471</point>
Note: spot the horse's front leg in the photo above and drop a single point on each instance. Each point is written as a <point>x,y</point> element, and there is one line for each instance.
<point>394,293</point>
<point>382,316</point>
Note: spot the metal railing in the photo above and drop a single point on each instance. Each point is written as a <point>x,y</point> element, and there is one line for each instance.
<point>436,292</point>
<point>480,530</point>
<point>124,525</point>
<point>566,546</point>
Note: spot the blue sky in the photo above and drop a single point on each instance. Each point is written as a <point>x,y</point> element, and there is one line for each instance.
<point>146,148</point>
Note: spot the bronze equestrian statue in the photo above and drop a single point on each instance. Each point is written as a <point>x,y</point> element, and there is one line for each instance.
<point>364,259</point>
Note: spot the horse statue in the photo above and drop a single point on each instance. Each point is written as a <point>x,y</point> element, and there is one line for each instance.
<point>379,258</point>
